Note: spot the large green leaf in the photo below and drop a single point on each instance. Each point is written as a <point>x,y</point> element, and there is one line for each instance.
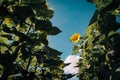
<point>42,38</point>
<point>3,40</point>
<point>54,31</point>
<point>3,49</point>
<point>53,52</point>
<point>22,12</point>
<point>43,25</point>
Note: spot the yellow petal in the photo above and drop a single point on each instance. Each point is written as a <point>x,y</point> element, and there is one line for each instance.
<point>75,37</point>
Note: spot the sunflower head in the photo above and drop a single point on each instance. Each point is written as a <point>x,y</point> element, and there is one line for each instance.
<point>75,37</point>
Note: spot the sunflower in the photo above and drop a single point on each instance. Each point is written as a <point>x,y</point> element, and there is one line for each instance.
<point>75,37</point>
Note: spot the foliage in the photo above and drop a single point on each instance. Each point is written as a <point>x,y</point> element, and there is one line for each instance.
<point>24,50</point>
<point>100,46</point>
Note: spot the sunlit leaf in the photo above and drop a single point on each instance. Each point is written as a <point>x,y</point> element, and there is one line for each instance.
<point>3,40</point>
<point>8,22</point>
<point>3,49</point>
<point>16,38</point>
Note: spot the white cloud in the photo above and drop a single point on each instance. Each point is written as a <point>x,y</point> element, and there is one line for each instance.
<point>71,68</point>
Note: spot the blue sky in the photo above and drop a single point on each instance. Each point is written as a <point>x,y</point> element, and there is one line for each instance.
<point>71,16</point>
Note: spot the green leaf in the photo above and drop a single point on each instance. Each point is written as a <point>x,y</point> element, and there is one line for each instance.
<point>47,69</point>
<point>53,62</point>
<point>54,31</point>
<point>100,3</point>
<point>54,52</point>
<point>7,29</point>
<point>15,43</point>
<point>9,37</point>
<point>1,2</point>
<point>49,13</point>
<point>111,33</point>
<point>6,35</point>
<point>44,25</point>
<point>44,12</point>
<point>3,49</point>
<point>23,12</point>
<point>1,69</point>
<point>76,49</point>
<point>43,39</point>
<point>26,52</point>
<point>26,1</point>
<point>3,40</point>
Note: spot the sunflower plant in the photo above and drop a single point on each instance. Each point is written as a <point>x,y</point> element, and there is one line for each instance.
<point>100,46</point>
<point>25,53</point>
